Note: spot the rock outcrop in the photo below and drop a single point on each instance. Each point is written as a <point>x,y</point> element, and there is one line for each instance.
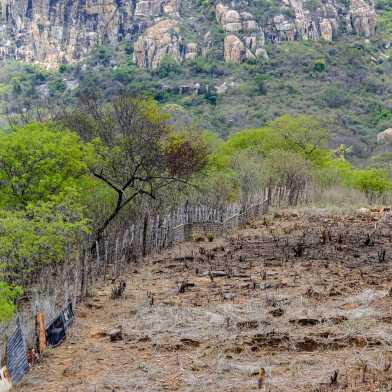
<point>326,30</point>
<point>235,51</point>
<point>231,20</point>
<point>191,51</point>
<point>155,8</point>
<point>54,32</point>
<point>51,32</point>
<point>300,23</point>
<point>155,43</point>
<point>385,137</point>
<point>362,18</point>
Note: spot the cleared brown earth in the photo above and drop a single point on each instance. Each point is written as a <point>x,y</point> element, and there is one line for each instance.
<point>302,297</point>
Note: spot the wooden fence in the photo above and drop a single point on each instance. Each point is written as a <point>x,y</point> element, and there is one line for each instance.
<point>151,235</point>
<point>121,246</point>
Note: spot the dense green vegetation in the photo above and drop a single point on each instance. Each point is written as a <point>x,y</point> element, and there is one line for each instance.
<point>63,182</point>
<point>290,152</point>
<point>69,179</point>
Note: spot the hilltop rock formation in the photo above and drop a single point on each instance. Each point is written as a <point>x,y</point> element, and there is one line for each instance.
<point>300,23</point>
<point>52,32</point>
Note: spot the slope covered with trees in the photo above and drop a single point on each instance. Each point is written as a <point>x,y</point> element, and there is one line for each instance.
<point>65,182</point>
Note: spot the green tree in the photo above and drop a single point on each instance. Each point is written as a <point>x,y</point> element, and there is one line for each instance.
<point>38,236</point>
<point>56,86</point>
<point>319,65</point>
<point>39,162</point>
<point>372,182</point>
<point>169,67</point>
<point>303,135</point>
<point>43,172</point>
<point>261,84</point>
<point>8,296</point>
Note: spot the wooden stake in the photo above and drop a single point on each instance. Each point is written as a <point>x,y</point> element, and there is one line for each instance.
<point>40,319</point>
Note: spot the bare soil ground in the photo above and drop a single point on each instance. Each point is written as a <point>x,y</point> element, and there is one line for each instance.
<point>302,296</point>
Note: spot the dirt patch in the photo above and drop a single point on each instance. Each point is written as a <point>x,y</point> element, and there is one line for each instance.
<point>306,298</point>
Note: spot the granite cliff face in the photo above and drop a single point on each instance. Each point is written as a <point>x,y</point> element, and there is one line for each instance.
<point>51,32</point>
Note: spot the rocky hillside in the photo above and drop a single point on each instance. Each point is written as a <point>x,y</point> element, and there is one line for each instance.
<point>52,32</point>
<point>225,65</point>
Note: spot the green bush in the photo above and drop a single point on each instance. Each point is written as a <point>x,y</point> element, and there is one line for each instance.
<point>371,181</point>
<point>261,85</point>
<point>56,86</point>
<point>169,67</point>
<point>334,97</point>
<point>8,296</point>
<point>211,96</point>
<point>122,74</point>
<point>320,65</point>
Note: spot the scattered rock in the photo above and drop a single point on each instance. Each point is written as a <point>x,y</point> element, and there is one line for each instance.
<point>248,324</point>
<point>277,312</point>
<point>228,296</point>
<point>190,342</point>
<point>115,334</point>
<point>304,322</point>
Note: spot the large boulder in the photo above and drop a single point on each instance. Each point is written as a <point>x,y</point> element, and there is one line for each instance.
<point>234,49</point>
<point>385,136</point>
<point>363,17</point>
<point>326,30</point>
<point>232,21</point>
<point>155,43</point>
<point>171,7</point>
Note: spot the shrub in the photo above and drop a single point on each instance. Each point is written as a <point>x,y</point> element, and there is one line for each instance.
<point>169,67</point>
<point>372,182</point>
<point>261,85</point>
<point>56,86</point>
<point>320,65</point>
<point>334,97</point>
<point>8,296</point>
<point>122,74</point>
<point>211,96</point>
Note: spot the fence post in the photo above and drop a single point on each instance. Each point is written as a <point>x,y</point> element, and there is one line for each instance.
<point>40,325</point>
<point>144,241</point>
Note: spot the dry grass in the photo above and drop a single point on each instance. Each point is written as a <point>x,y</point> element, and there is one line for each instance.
<point>301,318</point>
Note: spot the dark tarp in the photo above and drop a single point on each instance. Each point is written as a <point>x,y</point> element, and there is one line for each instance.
<point>55,333</point>
<point>17,363</point>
